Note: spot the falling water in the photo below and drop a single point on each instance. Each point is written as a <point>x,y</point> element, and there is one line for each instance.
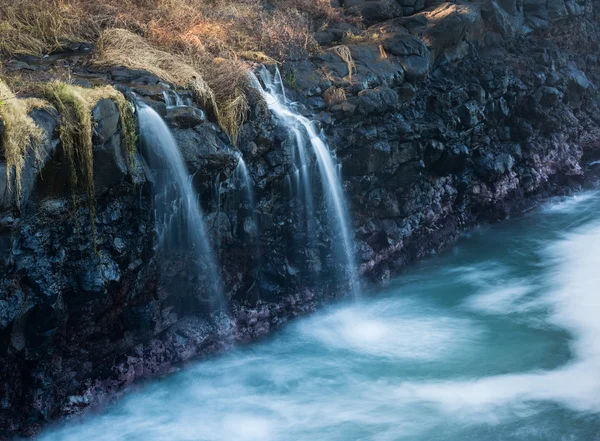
<point>305,134</point>
<point>243,182</point>
<point>178,212</point>
<point>173,99</point>
<point>242,174</point>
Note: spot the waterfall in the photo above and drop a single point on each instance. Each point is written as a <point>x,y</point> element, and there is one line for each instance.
<point>243,181</point>
<point>243,176</point>
<point>306,138</point>
<point>178,212</point>
<point>173,99</point>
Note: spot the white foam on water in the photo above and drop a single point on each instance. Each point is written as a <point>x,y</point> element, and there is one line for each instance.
<point>399,328</point>
<point>574,306</point>
<point>504,299</point>
<point>570,204</point>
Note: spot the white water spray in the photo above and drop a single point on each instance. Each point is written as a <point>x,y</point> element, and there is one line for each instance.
<point>305,134</point>
<point>174,100</point>
<point>242,174</point>
<point>176,201</point>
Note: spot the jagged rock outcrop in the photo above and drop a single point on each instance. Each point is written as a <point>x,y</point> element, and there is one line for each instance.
<point>454,115</point>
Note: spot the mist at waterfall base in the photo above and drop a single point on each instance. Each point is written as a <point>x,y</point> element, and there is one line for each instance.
<point>494,339</point>
<point>180,226</point>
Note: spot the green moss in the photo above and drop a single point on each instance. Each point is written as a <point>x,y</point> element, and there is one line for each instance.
<point>290,79</point>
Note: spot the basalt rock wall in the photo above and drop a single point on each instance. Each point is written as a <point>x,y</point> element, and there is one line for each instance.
<point>445,117</point>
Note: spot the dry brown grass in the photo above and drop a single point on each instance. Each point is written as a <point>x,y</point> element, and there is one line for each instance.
<point>20,134</point>
<point>229,81</point>
<point>286,34</point>
<point>219,85</point>
<point>334,95</point>
<point>75,105</point>
<point>226,28</point>
<point>120,47</point>
<point>259,57</point>
<point>37,27</point>
<point>177,40</point>
<point>213,28</point>
<point>314,8</point>
<point>343,52</point>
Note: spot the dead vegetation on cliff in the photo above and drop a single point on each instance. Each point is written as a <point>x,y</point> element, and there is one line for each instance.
<point>334,95</point>
<point>19,135</point>
<point>202,45</point>
<point>344,53</point>
<point>218,85</point>
<point>75,105</point>
<point>120,47</point>
<point>212,28</point>
<point>38,27</point>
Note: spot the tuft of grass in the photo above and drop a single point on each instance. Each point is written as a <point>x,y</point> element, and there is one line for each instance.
<point>120,47</point>
<point>334,95</point>
<point>290,79</point>
<point>259,57</point>
<point>219,85</point>
<point>76,138</point>
<point>343,52</point>
<point>20,133</point>
<point>286,34</point>
<point>39,27</point>
<point>75,105</point>
<point>229,81</point>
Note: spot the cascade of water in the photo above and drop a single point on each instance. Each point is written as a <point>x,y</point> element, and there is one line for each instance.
<point>306,137</point>
<point>178,212</point>
<point>241,173</point>
<point>274,92</point>
<point>242,178</point>
<point>173,99</point>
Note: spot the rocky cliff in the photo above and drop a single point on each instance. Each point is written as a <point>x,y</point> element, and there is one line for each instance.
<point>443,117</point>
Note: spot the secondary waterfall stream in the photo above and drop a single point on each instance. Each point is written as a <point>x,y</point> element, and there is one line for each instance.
<point>306,137</point>
<point>495,339</point>
<point>178,212</point>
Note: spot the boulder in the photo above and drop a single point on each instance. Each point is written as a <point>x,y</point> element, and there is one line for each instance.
<point>185,117</point>
<point>469,113</point>
<point>373,11</point>
<point>106,121</point>
<point>536,13</point>
<point>449,24</point>
<point>548,96</point>
<point>110,164</point>
<point>502,17</point>
<point>375,101</point>
<point>491,167</point>
<point>373,68</point>
<point>577,85</point>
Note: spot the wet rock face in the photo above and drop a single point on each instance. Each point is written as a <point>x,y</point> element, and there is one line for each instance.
<point>454,115</point>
